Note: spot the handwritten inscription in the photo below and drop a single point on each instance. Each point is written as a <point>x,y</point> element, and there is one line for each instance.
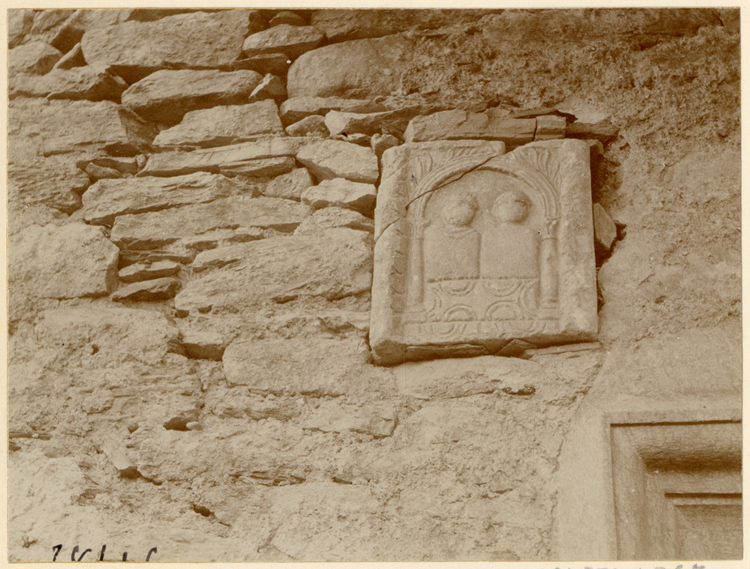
<point>76,556</point>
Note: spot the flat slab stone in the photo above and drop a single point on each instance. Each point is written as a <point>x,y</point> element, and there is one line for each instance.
<point>175,163</point>
<point>458,124</point>
<point>290,40</point>
<point>339,122</point>
<point>314,125</point>
<point>156,289</point>
<point>151,230</point>
<point>85,126</point>
<point>166,96</point>
<point>108,198</point>
<point>476,248</point>
<point>359,68</point>
<point>342,193</point>
<point>295,109</point>
<point>74,260</point>
<point>333,217</point>
<point>222,125</point>
<point>328,159</point>
<point>275,270</point>
<point>194,40</point>
<point>147,271</point>
<point>79,83</point>
<point>51,181</point>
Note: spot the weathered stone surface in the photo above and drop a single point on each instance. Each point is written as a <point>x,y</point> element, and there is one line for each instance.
<point>123,165</point>
<point>271,87</point>
<point>605,230</point>
<point>96,172</point>
<point>391,122</point>
<point>215,159</point>
<point>427,258</point>
<point>287,17</point>
<point>603,131</point>
<point>157,289</point>
<point>93,84</point>
<point>274,63</point>
<point>19,24</point>
<point>344,25</point>
<point>219,126</point>
<point>196,40</point>
<point>333,217</point>
<point>356,138</point>
<point>333,266</point>
<point>265,167</point>
<point>151,230</point>
<point>89,127</point>
<point>143,272</point>
<point>382,142</point>
<point>72,59</point>
<point>360,68</point>
<point>314,125</point>
<point>35,58</point>
<point>204,345</point>
<point>290,40</point>
<point>70,261</point>
<point>166,96</point>
<point>66,33</point>
<point>222,237</point>
<point>336,159</point>
<point>313,366</point>
<point>52,181</point>
<point>295,109</point>
<point>290,185</point>
<point>342,193</point>
<point>456,124</point>
<point>106,199</point>
<point>377,421</point>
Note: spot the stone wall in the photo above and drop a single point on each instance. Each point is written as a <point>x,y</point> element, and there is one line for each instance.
<point>190,224</point>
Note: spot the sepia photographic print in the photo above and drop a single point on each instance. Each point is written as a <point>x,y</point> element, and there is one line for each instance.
<point>315,284</point>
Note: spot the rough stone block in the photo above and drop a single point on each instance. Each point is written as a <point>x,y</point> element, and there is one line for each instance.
<point>382,142</point>
<point>51,181</point>
<point>287,17</point>
<point>391,122</point>
<point>89,83</point>
<point>222,125</point>
<point>19,24</point>
<point>142,272</point>
<point>290,40</point>
<point>166,96</point>
<point>71,261</point>
<point>274,63</point>
<point>342,193</point>
<point>333,217</point>
<point>359,68</point>
<point>36,58</point>
<point>106,199</point>
<point>328,159</point>
<point>295,109</point>
<point>550,127</point>
<point>290,185</point>
<point>72,59</point>
<point>605,230</point>
<point>313,125</point>
<point>476,248</point>
<point>195,40</point>
<point>271,87</point>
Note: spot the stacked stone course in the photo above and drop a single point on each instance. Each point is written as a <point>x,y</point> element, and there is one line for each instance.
<point>190,216</point>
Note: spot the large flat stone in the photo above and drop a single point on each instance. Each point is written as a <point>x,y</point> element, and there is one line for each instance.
<point>88,127</point>
<point>222,125</point>
<point>359,68</point>
<point>334,265</point>
<point>195,40</point>
<point>517,264</point>
<point>70,261</point>
<point>295,109</point>
<point>108,198</point>
<point>166,96</point>
<point>290,40</point>
<point>457,125</point>
<point>152,290</point>
<point>328,159</point>
<point>390,122</point>
<point>90,83</point>
<point>151,230</point>
<point>214,159</point>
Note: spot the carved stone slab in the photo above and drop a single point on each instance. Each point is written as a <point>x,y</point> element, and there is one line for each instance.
<point>476,248</point>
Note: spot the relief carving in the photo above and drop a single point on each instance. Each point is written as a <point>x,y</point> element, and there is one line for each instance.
<point>483,250</point>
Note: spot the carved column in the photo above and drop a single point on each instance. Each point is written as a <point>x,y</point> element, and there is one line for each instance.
<point>548,269</point>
